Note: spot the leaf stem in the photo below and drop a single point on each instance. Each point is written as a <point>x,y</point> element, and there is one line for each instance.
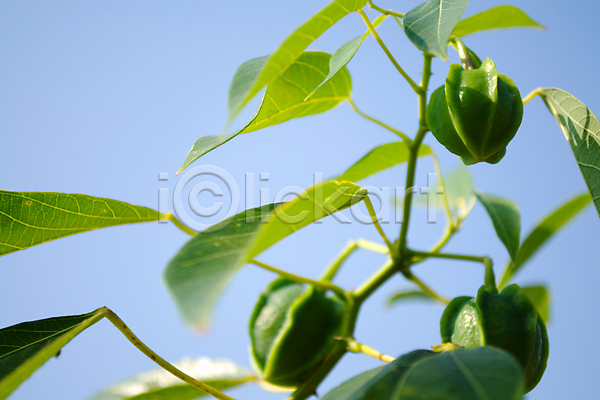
<point>393,251</point>
<point>414,151</point>
<point>409,275</point>
<point>417,89</point>
<point>386,12</point>
<point>178,224</point>
<point>463,52</point>
<point>352,245</point>
<point>424,255</point>
<point>404,137</point>
<point>536,92</point>
<point>373,283</point>
<point>300,279</point>
<point>354,347</point>
<point>118,322</point>
<point>490,279</point>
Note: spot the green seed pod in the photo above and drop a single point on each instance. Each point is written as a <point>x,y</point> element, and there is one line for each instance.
<point>476,113</point>
<point>507,320</point>
<point>292,330</point>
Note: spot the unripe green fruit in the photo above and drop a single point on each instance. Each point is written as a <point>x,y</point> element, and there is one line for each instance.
<point>476,113</point>
<point>292,330</point>
<point>507,320</point>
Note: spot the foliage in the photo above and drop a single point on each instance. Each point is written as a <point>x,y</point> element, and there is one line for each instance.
<point>302,327</point>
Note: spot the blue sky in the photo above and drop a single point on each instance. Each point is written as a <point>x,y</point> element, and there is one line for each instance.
<point>100,97</point>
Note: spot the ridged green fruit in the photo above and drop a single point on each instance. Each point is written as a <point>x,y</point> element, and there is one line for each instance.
<point>476,113</point>
<point>507,320</point>
<point>292,330</point>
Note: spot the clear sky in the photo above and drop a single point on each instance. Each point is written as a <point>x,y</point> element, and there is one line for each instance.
<point>100,97</point>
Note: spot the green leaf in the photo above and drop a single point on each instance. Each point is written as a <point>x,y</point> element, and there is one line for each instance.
<point>348,388</point>
<point>464,374</point>
<point>344,54</point>
<point>429,25</point>
<point>506,219</point>
<point>242,81</point>
<point>459,190</point>
<point>540,297</point>
<point>247,87</point>
<point>482,373</point>
<point>160,384</point>
<point>284,99</point>
<point>582,130</point>
<point>204,266</point>
<point>380,158</point>
<point>494,18</point>
<point>31,218</point>
<point>544,231</point>
<point>27,346</point>
<point>409,295</point>
<point>381,386</point>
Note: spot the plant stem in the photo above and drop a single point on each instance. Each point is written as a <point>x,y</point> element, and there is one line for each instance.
<point>412,83</point>
<point>425,288</point>
<point>355,347</point>
<point>300,279</point>
<point>404,137</point>
<point>373,283</point>
<point>401,263</point>
<point>352,245</point>
<point>414,151</point>
<point>393,251</point>
<point>118,322</point>
<point>536,92</point>
<point>178,224</point>
<point>424,255</point>
<point>333,268</point>
<point>463,52</point>
<point>386,12</point>
<point>490,279</point>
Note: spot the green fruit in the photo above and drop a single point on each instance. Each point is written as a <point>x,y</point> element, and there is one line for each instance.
<point>476,113</point>
<point>292,330</point>
<point>507,320</point>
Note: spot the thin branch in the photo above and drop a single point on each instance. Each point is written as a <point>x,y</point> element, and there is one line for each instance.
<point>425,288</point>
<point>417,89</point>
<point>393,250</point>
<point>300,279</point>
<point>355,347</point>
<point>382,124</point>
<point>386,12</point>
<point>536,92</point>
<point>118,322</point>
<point>178,224</point>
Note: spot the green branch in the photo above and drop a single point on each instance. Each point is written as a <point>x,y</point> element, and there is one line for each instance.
<point>463,52</point>
<point>352,245</point>
<point>393,251</point>
<point>300,279</point>
<point>414,151</point>
<point>355,347</point>
<point>409,275</point>
<point>490,279</point>
<point>404,137</point>
<point>118,322</point>
<point>412,83</point>
<point>178,224</point>
<point>536,92</point>
<point>386,12</point>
